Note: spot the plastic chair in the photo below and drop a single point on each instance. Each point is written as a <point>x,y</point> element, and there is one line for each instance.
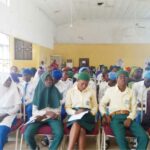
<point>15,128</point>
<point>45,130</point>
<point>107,132</point>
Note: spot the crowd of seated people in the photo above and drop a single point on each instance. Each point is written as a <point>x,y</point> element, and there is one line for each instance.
<point>116,96</point>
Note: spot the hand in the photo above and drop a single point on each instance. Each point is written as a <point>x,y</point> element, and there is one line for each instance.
<point>106,120</point>
<point>52,115</point>
<point>79,111</point>
<point>127,122</point>
<point>40,118</point>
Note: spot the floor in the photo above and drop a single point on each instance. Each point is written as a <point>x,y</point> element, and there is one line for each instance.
<point>91,144</point>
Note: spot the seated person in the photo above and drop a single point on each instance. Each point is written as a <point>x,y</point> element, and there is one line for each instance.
<point>81,98</point>
<point>122,108</point>
<point>9,106</point>
<point>146,114</point>
<point>46,101</point>
<point>140,90</point>
<point>27,88</point>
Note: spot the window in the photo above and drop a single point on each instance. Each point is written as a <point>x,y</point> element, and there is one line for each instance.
<point>4,53</point>
<point>23,50</point>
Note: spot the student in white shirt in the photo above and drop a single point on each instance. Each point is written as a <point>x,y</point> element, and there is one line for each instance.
<point>9,106</point>
<point>81,98</point>
<point>140,90</point>
<point>46,102</point>
<point>122,109</point>
<point>27,88</point>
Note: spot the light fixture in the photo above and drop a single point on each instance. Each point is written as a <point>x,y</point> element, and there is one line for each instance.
<point>99,2</point>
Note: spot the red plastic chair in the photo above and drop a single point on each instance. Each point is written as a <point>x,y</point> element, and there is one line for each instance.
<point>107,132</point>
<point>14,128</point>
<point>45,130</point>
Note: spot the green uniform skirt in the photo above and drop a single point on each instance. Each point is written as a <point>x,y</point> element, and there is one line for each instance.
<point>87,122</point>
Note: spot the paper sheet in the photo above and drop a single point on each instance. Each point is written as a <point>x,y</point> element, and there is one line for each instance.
<point>77,116</point>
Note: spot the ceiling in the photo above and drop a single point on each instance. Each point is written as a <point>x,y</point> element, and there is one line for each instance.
<point>69,11</point>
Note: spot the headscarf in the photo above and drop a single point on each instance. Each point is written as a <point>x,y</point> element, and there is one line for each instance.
<point>15,77</point>
<point>133,70</point>
<point>46,96</point>
<point>112,76</point>
<point>9,96</point>
<point>56,74</point>
<point>70,74</point>
<point>122,72</point>
<point>27,71</point>
<point>128,69</point>
<point>84,76</point>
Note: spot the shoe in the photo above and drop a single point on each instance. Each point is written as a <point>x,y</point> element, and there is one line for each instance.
<point>45,141</point>
<point>37,147</point>
<point>107,144</point>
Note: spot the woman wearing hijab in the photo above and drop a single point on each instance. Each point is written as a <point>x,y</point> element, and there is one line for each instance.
<point>46,102</point>
<point>81,98</point>
<point>9,106</point>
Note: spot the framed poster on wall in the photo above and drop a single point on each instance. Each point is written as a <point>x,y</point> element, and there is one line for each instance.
<point>23,50</point>
<point>83,62</point>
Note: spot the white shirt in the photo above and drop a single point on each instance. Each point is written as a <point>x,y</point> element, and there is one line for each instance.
<point>60,86</point>
<point>28,97</point>
<point>92,84</point>
<point>67,85</point>
<point>119,101</point>
<point>140,92</point>
<point>84,99</point>
<point>99,77</point>
<point>103,86</point>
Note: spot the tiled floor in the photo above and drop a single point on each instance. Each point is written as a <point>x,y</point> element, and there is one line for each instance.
<point>91,144</point>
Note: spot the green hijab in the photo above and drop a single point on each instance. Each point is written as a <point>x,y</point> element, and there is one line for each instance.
<point>133,69</point>
<point>46,96</point>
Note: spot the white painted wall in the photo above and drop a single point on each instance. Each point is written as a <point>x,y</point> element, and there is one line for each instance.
<point>97,32</point>
<point>22,19</point>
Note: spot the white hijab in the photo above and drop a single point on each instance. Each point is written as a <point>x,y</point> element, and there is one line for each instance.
<point>9,97</point>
